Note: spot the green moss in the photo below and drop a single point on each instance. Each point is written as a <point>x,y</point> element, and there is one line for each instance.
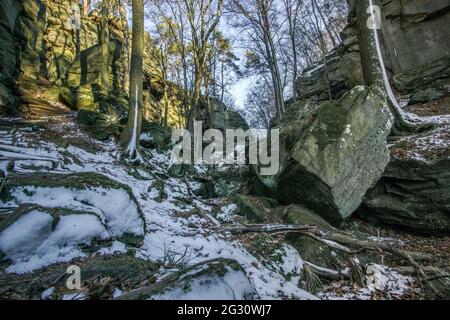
<point>159,185</point>
<point>256,209</point>
<point>331,120</point>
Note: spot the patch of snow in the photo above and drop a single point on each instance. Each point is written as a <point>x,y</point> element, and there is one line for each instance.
<point>31,244</point>
<point>379,279</point>
<point>291,264</point>
<point>227,213</point>
<point>46,294</point>
<point>116,247</point>
<point>234,285</point>
<point>117,293</point>
<point>166,227</point>
<point>4,167</point>
<point>25,234</point>
<point>74,296</point>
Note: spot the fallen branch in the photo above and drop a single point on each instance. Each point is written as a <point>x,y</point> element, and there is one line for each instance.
<point>266,228</point>
<point>325,272</point>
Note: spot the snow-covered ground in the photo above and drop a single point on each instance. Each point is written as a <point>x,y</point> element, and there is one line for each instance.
<point>31,243</point>
<point>166,230</point>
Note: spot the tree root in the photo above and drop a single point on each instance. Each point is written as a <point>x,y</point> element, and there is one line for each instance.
<point>337,241</point>
<point>325,272</point>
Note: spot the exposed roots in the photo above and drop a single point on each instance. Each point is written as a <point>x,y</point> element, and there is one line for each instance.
<point>338,240</point>
<point>134,156</point>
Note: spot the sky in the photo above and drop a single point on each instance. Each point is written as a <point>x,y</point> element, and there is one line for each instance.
<point>239,91</point>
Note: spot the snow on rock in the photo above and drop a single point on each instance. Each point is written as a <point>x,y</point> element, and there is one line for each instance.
<point>47,294</point>
<point>382,278</point>
<point>31,243</point>
<point>116,247</point>
<point>74,296</point>
<point>114,206</point>
<point>26,233</point>
<point>227,213</point>
<point>234,285</point>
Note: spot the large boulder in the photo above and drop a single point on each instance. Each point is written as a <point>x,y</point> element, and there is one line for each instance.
<point>337,156</point>
<point>310,249</point>
<point>414,192</point>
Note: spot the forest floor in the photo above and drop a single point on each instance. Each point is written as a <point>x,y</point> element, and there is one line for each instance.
<point>181,231</point>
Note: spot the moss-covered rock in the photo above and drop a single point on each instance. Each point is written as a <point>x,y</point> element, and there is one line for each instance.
<point>122,271</point>
<point>310,249</point>
<point>101,126</point>
<point>302,216</point>
<point>158,186</point>
<point>205,190</point>
<point>257,209</point>
<point>338,156</point>
<point>155,136</point>
<point>428,94</point>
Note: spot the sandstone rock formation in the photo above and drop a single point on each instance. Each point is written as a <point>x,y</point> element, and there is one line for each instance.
<point>338,156</point>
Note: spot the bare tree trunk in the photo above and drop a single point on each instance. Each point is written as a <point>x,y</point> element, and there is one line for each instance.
<point>124,17</point>
<point>85,5</point>
<point>292,11</point>
<point>324,53</point>
<point>132,131</point>
<point>222,81</point>
<point>272,58</point>
<point>105,45</point>
<point>372,61</point>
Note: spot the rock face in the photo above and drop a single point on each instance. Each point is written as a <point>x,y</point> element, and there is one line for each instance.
<point>414,192</point>
<point>218,116</point>
<point>412,195</point>
<point>43,52</point>
<point>338,76</point>
<point>338,156</point>
<point>427,83</point>
<point>40,47</point>
<point>414,35</point>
